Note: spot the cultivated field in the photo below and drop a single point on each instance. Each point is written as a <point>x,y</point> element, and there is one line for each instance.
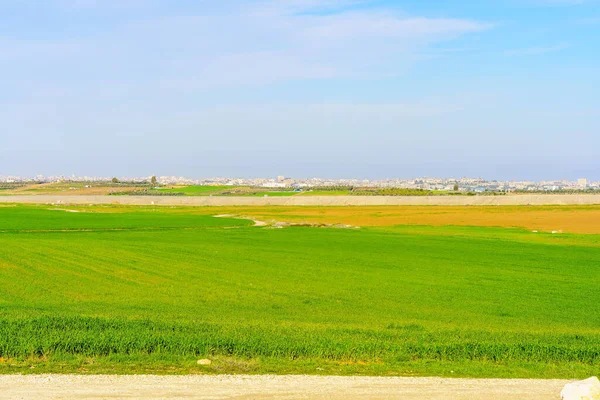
<point>443,291</point>
<point>560,219</point>
<point>64,188</point>
<point>346,195</point>
<point>146,188</point>
<point>73,188</point>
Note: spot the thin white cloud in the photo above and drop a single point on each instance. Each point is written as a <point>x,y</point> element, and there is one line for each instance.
<point>589,21</point>
<point>235,44</point>
<point>302,6</point>
<point>385,24</point>
<point>99,4</point>
<point>562,2</point>
<point>539,50</point>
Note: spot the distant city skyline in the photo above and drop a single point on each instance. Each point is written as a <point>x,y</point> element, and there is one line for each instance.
<point>552,184</point>
<point>366,89</point>
<point>40,176</point>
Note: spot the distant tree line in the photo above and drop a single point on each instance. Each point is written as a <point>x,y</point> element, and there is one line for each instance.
<point>146,192</point>
<point>13,185</point>
<point>332,188</point>
<point>363,191</point>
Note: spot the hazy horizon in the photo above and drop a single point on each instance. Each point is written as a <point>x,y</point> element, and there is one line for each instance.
<point>327,88</point>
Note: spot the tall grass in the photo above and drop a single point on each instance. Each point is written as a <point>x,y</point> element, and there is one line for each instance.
<point>47,336</point>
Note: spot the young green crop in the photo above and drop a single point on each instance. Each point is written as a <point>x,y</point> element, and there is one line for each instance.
<point>124,285</point>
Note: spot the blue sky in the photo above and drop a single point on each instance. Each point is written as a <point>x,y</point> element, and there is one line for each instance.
<point>332,88</point>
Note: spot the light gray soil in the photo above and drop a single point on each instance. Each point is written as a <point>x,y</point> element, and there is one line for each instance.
<point>272,387</point>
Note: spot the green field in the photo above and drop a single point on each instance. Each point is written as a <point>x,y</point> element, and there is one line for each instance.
<point>196,190</point>
<point>316,191</point>
<point>312,191</point>
<point>133,290</point>
<point>221,191</point>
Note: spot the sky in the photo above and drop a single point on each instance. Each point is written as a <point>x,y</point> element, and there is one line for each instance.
<point>502,89</point>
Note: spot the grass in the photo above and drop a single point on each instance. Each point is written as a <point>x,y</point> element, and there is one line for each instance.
<point>197,190</point>
<point>132,290</point>
<point>257,191</point>
<point>225,191</point>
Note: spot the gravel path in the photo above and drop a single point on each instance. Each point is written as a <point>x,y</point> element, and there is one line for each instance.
<point>272,387</point>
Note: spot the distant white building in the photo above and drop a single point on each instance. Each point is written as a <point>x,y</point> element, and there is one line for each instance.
<point>273,185</point>
<point>582,183</point>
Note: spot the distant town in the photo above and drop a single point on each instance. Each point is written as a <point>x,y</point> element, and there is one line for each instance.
<point>477,185</point>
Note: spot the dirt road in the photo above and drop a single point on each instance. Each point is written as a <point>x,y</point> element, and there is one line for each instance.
<point>272,387</point>
<point>565,199</point>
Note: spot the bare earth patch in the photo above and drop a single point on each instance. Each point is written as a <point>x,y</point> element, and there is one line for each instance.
<point>271,387</point>
<point>583,219</point>
<point>284,224</point>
